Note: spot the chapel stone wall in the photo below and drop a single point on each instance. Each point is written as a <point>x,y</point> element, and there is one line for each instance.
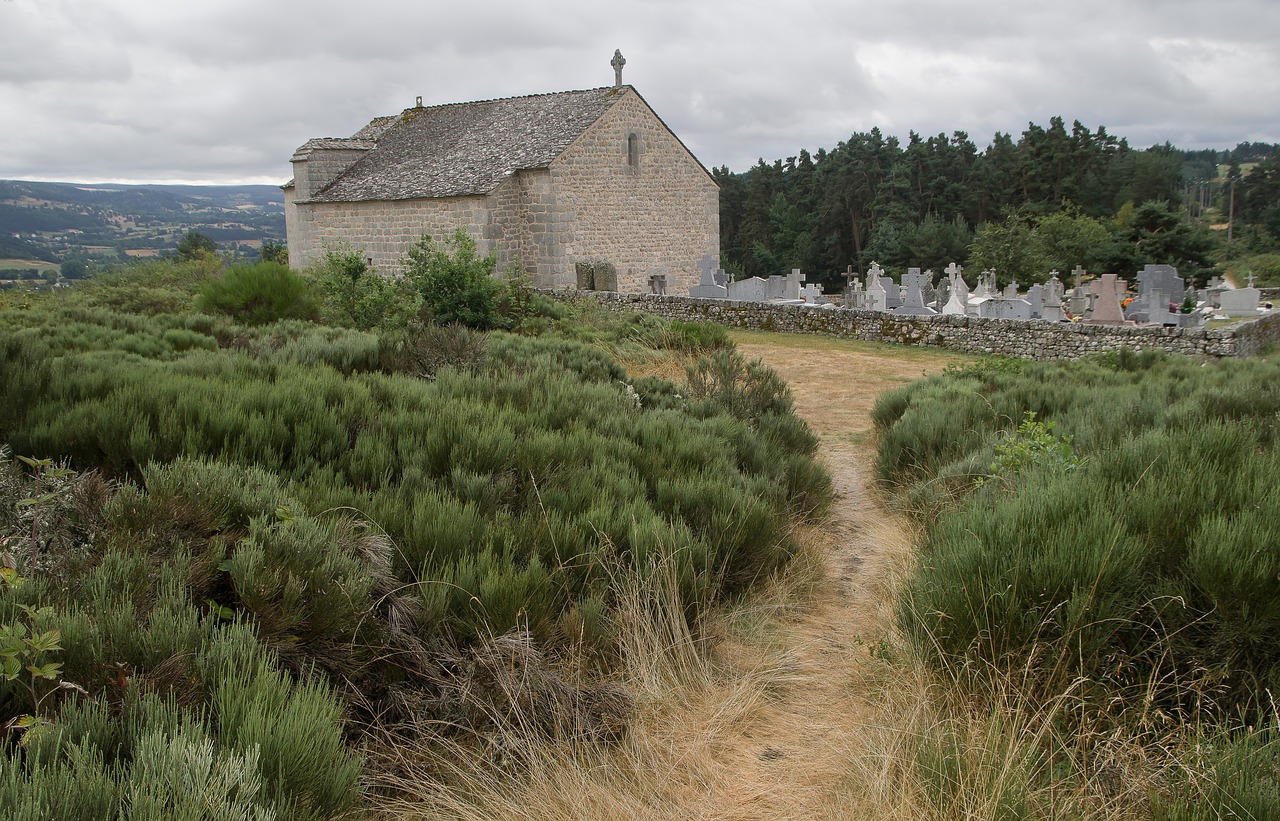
<point>626,192</point>
<point>383,230</point>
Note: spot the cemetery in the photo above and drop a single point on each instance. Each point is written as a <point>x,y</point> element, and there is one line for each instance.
<point>1053,320</point>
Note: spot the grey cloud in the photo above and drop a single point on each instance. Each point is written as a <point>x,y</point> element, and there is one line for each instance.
<point>144,89</point>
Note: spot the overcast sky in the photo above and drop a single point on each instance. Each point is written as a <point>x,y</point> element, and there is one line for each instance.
<point>224,90</point>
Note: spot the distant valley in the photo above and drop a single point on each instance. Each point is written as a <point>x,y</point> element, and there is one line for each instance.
<point>43,224</point>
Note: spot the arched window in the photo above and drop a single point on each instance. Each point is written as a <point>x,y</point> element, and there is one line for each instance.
<point>633,150</point>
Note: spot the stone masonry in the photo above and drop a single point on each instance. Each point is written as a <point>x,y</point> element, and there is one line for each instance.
<point>1004,337</point>
<point>619,187</point>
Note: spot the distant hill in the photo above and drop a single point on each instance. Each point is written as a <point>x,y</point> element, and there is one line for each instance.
<point>54,220</point>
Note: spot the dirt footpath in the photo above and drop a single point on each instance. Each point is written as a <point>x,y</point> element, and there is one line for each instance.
<point>787,758</point>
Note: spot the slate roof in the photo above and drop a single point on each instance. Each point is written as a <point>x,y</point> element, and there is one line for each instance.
<point>462,148</point>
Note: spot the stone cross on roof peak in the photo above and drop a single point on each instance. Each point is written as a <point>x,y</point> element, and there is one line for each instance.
<point>617,62</point>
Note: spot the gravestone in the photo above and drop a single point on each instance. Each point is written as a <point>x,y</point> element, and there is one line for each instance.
<point>849,279</point>
<point>914,278</point>
<point>752,289</point>
<point>658,284</point>
<point>1241,301</point>
<point>812,294</point>
<point>794,280</point>
<point>1002,307</point>
<point>596,276</point>
<point>854,296</point>
<point>892,293</point>
<point>1035,297</point>
<point>929,291</point>
<point>776,287</point>
<point>913,303</point>
<point>1159,287</point>
<point>1212,291</point>
<point>1164,278</point>
<point>1078,303</point>
<point>958,291</point>
<point>1108,291</point>
<point>708,288</point>
<point>721,277</point>
<point>1053,292</point>
<point>877,298</point>
<point>1011,290</point>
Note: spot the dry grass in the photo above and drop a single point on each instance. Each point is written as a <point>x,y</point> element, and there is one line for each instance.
<point>801,702</point>
<point>761,713</point>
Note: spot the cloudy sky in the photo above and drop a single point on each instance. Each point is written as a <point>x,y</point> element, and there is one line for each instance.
<point>224,90</point>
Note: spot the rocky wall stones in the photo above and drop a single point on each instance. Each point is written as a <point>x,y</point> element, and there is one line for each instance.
<point>1026,340</point>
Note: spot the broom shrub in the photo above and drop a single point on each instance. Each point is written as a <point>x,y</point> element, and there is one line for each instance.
<point>1128,537</point>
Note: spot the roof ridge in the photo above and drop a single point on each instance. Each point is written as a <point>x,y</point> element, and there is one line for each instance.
<point>516,97</point>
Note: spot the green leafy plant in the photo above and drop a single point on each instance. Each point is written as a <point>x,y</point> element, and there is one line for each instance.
<point>456,283</point>
<point>356,295</point>
<point>1032,444</point>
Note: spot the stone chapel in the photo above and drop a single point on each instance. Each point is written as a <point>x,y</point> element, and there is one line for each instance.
<point>545,181</point>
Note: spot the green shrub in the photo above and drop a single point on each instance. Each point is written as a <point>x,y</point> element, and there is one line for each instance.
<point>356,295</point>
<point>424,351</point>
<point>1227,776</point>
<point>746,390</point>
<point>258,294</point>
<point>455,282</point>
<point>1128,551</point>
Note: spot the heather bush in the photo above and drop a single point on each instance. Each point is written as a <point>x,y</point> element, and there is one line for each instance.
<point>1130,525</point>
<point>244,535</point>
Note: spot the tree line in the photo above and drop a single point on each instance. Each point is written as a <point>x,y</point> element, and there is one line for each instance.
<point>1055,197</point>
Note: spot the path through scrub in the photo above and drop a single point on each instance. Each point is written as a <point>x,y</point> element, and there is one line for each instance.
<point>787,756</point>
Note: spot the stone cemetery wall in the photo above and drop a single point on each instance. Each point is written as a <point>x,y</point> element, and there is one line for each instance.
<point>1005,337</point>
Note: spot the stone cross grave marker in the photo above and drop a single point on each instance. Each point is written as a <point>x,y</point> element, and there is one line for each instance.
<point>811,293</point>
<point>707,287</point>
<point>1053,291</point>
<point>1079,303</point>
<point>1108,290</point>
<point>958,296</point>
<point>913,302</point>
<point>876,296</point>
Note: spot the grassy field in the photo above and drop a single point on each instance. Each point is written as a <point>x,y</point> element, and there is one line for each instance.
<point>39,265</point>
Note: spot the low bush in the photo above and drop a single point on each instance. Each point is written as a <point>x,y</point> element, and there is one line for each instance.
<point>258,294</point>
<point>1128,549</point>
<point>234,538</point>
